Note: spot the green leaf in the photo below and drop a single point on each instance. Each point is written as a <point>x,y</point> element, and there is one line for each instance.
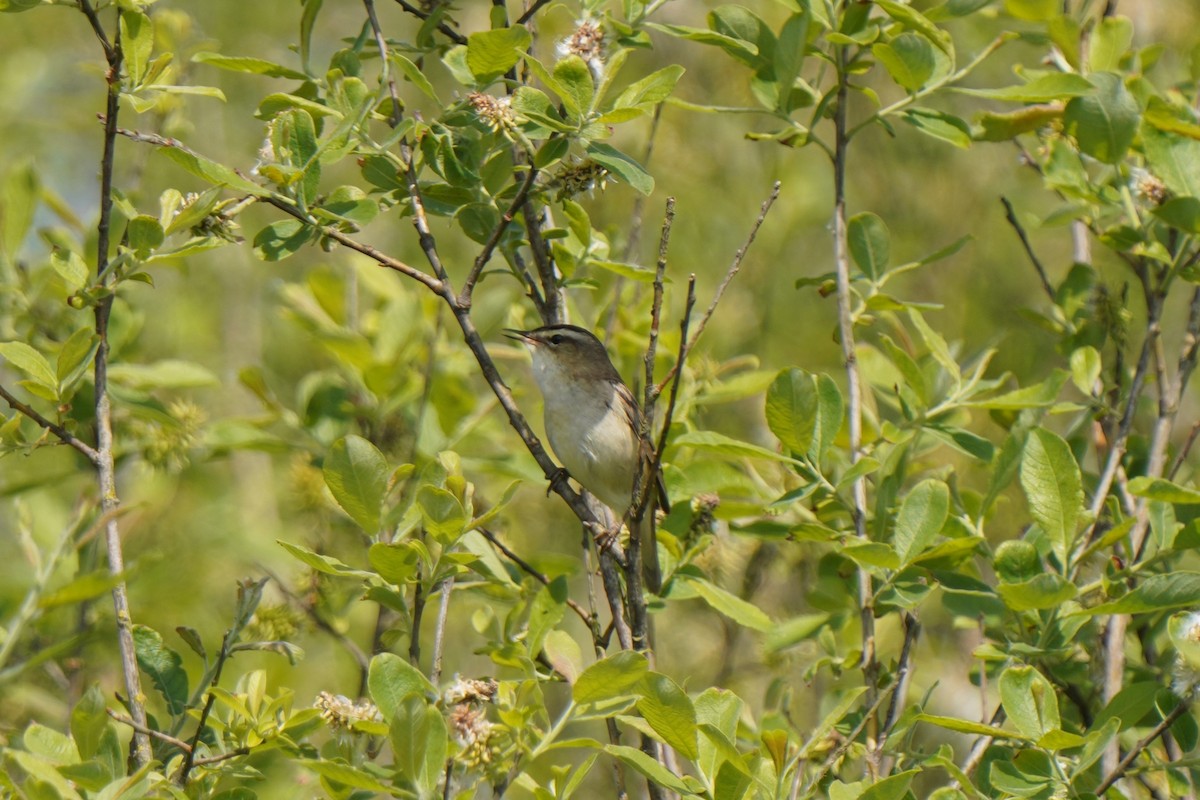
<point>652,89</point>
<point>1048,590</point>
<point>211,171</point>
<point>280,239</point>
<point>939,125</point>
<point>634,272</point>
<point>419,742</point>
<point>870,244</point>
<point>1050,477</point>
<point>714,442</point>
<point>1155,593</point>
<point>1108,44</point>
<point>1180,212</point>
<point>1130,706</point>
<point>1175,159</point>
<point>622,166</point>
<point>740,611</point>
<point>84,587</point>
<point>650,768</point>
<point>415,75</point>
<point>357,474</point>
<point>669,711</point>
<point>144,234</point>
<point>545,612</point>
<point>922,515</point>
<point>253,66</point>
<point>29,361</point>
<point>137,42</point>
<point>1043,89</point>
<point>1163,490</point>
<point>1000,127</point>
<point>169,373</point>
<point>1030,701</point>
<point>390,679</point>
<point>615,676</point>
<point>490,54</point>
<point>342,774</point>
<point>829,415</point>
<point>164,666</point>
<point>789,57</point>
<point>893,787</point>
<point>1085,368</point>
<point>914,20</point>
<point>792,409</point>
<point>966,726</point>
<point>578,89</point>
<point>18,204</point>
<point>89,721</point>
<point>397,563</point>
<point>327,565</point>
<point>444,515</point>
<point>71,267</point>
<point>1104,122</point>
<point>908,59</point>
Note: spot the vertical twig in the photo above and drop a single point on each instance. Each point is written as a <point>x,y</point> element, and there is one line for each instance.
<point>439,630</point>
<point>105,461</point>
<point>866,591</point>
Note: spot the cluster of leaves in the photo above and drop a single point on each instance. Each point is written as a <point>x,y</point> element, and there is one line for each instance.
<point>896,485</point>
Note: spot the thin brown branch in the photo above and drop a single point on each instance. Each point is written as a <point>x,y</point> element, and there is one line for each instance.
<point>162,737</point>
<point>529,12</point>
<point>661,446</point>
<point>210,760</point>
<point>449,32</point>
<point>64,435</point>
<point>532,572</point>
<point>975,757</point>
<point>112,53</point>
<point>489,247</point>
<point>1011,216</point>
<point>1126,762</point>
<point>435,285</point>
<point>105,460</point>
<point>854,400</point>
<point>845,745</point>
<point>734,268</point>
<point>660,271</point>
<point>912,630</point>
<point>385,63</point>
<point>543,259</point>
<point>1182,455</point>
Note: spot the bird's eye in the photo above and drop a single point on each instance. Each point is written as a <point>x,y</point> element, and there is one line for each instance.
<point>557,338</point>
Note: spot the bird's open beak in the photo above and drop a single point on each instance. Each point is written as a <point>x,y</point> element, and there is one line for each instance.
<point>520,336</point>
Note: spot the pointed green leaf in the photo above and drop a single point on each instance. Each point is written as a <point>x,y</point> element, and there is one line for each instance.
<point>922,515</point>
<point>614,676</point>
<point>1053,487</point>
<point>870,244</point>
<point>164,666</point>
<point>669,711</point>
<point>390,679</point>
<point>1030,701</point>
<point>908,59</point>
<point>356,474</point>
<point>792,409</point>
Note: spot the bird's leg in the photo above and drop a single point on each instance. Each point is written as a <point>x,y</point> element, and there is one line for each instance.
<point>557,478</point>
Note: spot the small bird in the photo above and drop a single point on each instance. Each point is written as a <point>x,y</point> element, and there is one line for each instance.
<point>594,424</point>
